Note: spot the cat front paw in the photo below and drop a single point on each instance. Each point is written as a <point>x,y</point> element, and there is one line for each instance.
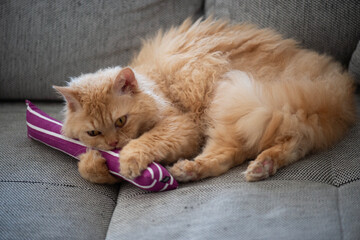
<point>184,171</point>
<point>132,164</point>
<point>92,167</point>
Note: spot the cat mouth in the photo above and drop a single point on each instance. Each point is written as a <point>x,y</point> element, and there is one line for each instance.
<point>107,148</point>
<point>118,147</point>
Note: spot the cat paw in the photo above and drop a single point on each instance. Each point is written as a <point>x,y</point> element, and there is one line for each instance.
<point>260,169</point>
<point>92,167</point>
<point>184,171</point>
<point>131,166</point>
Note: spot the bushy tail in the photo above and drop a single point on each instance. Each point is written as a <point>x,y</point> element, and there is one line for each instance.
<point>316,112</point>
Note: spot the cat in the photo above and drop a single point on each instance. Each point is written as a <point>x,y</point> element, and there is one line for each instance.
<point>205,97</point>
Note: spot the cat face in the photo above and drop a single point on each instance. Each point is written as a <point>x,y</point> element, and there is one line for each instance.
<point>106,109</point>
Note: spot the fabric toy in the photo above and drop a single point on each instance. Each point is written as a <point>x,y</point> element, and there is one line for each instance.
<point>46,129</point>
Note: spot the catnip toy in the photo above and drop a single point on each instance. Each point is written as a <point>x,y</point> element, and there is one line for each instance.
<point>46,129</point>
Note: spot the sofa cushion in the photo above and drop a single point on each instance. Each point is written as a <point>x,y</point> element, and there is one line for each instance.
<point>326,26</point>
<point>42,194</point>
<point>314,198</point>
<point>354,66</point>
<point>237,210</point>
<point>46,42</point>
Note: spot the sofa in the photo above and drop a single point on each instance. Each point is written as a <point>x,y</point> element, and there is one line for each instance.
<point>42,196</point>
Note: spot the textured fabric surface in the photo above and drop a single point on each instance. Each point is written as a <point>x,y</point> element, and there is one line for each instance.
<point>43,43</point>
<point>326,26</point>
<point>354,66</point>
<point>349,209</point>
<point>315,198</point>
<point>237,210</point>
<point>42,194</point>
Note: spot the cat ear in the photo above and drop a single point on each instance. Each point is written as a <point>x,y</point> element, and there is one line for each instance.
<point>125,81</point>
<point>70,97</point>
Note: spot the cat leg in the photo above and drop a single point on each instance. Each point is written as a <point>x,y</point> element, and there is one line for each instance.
<point>270,160</point>
<point>92,167</point>
<point>216,159</point>
<point>172,138</point>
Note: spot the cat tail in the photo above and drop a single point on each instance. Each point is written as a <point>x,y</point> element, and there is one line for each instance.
<point>317,112</point>
<point>313,114</point>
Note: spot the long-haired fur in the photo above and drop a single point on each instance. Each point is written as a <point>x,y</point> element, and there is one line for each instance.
<point>230,93</point>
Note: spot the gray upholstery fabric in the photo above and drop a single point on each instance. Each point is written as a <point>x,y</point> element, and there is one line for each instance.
<point>237,210</point>
<point>42,194</point>
<point>354,66</point>
<point>315,198</point>
<point>327,26</point>
<point>349,209</point>
<point>43,43</point>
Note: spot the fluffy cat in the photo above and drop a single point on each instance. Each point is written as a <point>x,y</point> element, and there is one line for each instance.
<point>207,96</point>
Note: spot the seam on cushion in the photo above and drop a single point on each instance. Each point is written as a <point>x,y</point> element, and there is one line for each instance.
<point>216,187</point>
<point>130,196</point>
<point>108,227</point>
<point>334,175</point>
<point>347,182</point>
<point>339,214</point>
<point>61,185</point>
<point>315,181</point>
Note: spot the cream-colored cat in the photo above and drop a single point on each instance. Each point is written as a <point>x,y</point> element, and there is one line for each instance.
<point>206,97</point>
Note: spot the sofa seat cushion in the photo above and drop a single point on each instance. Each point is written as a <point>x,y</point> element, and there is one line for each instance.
<point>314,198</point>
<point>42,194</point>
<point>272,209</point>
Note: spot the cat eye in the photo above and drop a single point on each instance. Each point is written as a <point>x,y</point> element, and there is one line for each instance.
<point>120,122</point>
<point>93,133</point>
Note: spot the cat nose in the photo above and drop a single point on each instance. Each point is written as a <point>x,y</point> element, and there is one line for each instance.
<point>113,144</point>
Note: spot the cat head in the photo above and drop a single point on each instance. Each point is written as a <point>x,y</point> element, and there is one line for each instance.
<point>106,109</point>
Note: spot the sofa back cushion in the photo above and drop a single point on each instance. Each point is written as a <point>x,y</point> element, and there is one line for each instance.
<point>354,66</point>
<point>43,43</point>
<point>330,27</point>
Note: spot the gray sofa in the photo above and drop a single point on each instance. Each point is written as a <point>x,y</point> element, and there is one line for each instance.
<point>42,43</point>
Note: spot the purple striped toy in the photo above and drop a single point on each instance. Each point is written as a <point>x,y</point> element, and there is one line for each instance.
<point>46,129</point>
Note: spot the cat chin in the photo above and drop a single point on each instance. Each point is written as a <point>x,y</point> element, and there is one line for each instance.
<point>104,149</point>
